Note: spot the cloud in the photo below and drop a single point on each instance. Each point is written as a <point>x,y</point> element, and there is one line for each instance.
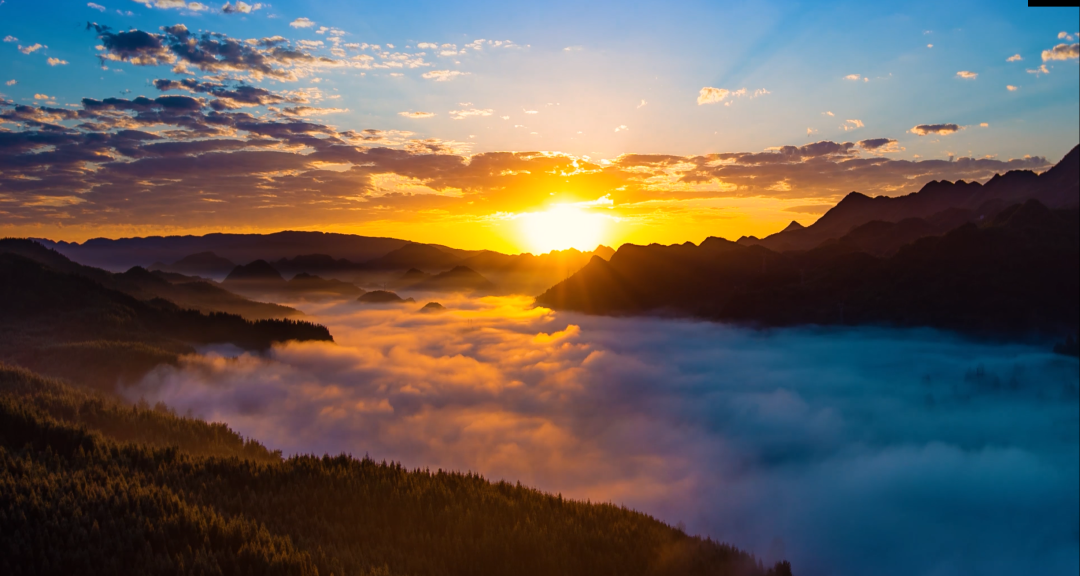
<point>879,145</point>
<point>810,209</point>
<point>97,7</point>
<point>643,104</point>
<point>1064,36</point>
<point>749,437</point>
<point>1042,69</point>
<point>240,8</point>
<point>311,111</point>
<point>443,75</point>
<point>211,52</point>
<point>621,128</point>
<point>1014,58</point>
<point>11,82</point>
<point>301,23</point>
<point>853,77</point>
<point>417,115</point>
<point>853,124</point>
<point>57,62</point>
<point>1062,52</point>
<point>966,75</point>
<point>940,129</point>
<point>709,95</point>
<point>1012,88</point>
<point>530,111</point>
<point>42,97</point>
<point>174,4</point>
<point>31,48</point>
<point>10,38</point>
<point>827,113</point>
<point>472,112</point>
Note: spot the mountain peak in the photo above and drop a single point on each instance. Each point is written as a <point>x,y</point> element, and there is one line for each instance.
<point>793,226</point>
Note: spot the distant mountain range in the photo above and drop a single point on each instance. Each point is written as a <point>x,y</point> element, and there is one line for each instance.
<point>927,259</point>
<point>940,206</point>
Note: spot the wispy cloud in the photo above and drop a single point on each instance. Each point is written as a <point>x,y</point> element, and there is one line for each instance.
<point>97,7</point>
<point>1014,58</point>
<point>967,75</point>
<point>852,124</point>
<point>443,75</point>
<point>301,23</point>
<point>174,4</point>
<point>31,48</point>
<point>470,113</point>
<point>417,115</point>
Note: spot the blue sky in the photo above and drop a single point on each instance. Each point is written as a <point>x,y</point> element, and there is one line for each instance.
<point>586,84</point>
<point>621,54</point>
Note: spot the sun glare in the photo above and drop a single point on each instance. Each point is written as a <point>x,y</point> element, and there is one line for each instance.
<point>563,227</point>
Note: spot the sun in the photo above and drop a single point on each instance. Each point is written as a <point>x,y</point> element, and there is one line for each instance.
<point>562,227</point>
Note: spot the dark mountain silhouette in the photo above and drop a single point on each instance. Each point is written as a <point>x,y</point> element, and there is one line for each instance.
<point>308,285</point>
<point>411,277</point>
<point>318,264</point>
<point>1018,274</point>
<point>257,271</point>
<point>382,297</point>
<point>71,326</point>
<point>412,255</point>
<point>124,253</point>
<point>143,285</point>
<point>1055,188</point>
<point>204,264</point>
<point>432,308</point>
<point>457,279</point>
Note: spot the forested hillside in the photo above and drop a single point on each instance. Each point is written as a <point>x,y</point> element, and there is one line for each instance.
<point>89,486</point>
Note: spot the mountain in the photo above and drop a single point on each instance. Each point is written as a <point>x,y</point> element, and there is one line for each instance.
<point>1058,187</point>
<point>382,297</point>
<point>1016,275</point>
<point>310,286</point>
<point>411,277</point>
<point>457,279</point>
<point>412,255</point>
<point>185,292</point>
<point>204,264</point>
<point>95,486</point>
<point>257,271</point>
<point>319,264</point>
<point>527,273</point>
<point>123,253</point>
<point>71,326</point>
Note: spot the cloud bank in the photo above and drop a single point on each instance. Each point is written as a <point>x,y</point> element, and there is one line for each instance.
<point>906,452</point>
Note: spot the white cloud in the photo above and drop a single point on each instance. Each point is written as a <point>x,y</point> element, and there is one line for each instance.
<point>1014,58</point>
<point>174,4</point>
<point>530,111</point>
<point>97,7</point>
<point>643,104</point>
<point>1065,36</point>
<point>417,115</point>
<point>621,128</point>
<point>443,75</point>
<point>1042,69</point>
<point>462,114</point>
<point>709,95</point>
<point>929,45</point>
<point>31,48</point>
<point>10,38</point>
<point>11,82</point>
<point>427,46</point>
<point>810,131</point>
<point>967,75</point>
<point>1062,52</point>
<point>1012,88</point>
<point>853,77</point>
<point>301,23</point>
<point>42,97</point>
<point>57,62</point>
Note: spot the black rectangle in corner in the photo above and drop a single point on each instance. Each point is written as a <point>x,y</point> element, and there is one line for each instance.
<point>1053,3</point>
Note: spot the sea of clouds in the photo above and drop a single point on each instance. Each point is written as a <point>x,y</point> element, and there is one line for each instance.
<point>846,451</point>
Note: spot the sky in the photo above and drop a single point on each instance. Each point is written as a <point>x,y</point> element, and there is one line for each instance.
<point>465,123</point>
<point>846,451</point>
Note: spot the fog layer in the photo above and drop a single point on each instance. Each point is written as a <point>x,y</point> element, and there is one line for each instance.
<point>846,451</point>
